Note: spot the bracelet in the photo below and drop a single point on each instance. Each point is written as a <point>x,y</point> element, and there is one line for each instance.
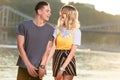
<point>62,69</point>
<point>42,66</point>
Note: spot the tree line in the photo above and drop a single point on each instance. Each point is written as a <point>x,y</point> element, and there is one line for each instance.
<point>87,15</point>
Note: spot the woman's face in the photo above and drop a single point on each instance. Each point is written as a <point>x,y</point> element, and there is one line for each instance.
<point>63,16</point>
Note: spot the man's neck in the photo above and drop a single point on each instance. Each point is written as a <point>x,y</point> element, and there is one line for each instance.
<point>39,22</point>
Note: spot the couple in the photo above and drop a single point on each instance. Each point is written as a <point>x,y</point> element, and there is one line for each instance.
<point>38,41</point>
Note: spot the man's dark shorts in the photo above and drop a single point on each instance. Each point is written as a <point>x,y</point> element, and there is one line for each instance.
<point>24,75</point>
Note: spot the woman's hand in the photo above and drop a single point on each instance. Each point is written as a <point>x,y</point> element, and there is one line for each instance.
<point>59,75</point>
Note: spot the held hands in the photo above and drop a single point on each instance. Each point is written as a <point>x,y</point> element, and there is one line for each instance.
<point>42,71</point>
<point>32,70</point>
<point>60,73</point>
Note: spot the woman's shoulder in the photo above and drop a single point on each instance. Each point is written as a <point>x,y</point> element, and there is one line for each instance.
<point>77,31</point>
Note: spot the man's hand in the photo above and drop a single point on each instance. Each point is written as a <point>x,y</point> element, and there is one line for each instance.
<point>42,72</point>
<point>32,70</point>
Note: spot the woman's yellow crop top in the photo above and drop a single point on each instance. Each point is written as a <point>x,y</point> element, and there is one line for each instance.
<point>64,43</point>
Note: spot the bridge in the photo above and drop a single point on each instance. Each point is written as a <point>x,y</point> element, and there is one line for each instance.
<point>109,28</point>
<point>10,18</point>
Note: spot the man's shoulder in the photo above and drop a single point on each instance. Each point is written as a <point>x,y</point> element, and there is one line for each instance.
<point>50,25</point>
<point>26,22</point>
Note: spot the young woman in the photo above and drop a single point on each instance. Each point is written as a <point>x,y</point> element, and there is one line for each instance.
<point>67,38</point>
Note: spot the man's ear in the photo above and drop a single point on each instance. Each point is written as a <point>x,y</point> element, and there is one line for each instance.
<point>39,11</point>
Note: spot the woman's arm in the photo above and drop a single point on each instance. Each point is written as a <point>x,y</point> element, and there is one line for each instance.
<point>70,56</point>
<point>76,43</point>
<point>67,61</point>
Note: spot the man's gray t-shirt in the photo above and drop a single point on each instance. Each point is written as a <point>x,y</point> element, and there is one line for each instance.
<point>36,39</point>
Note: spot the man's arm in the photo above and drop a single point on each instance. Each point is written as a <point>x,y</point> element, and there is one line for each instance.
<point>46,57</point>
<point>20,44</point>
<point>46,54</point>
<point>51,52</point>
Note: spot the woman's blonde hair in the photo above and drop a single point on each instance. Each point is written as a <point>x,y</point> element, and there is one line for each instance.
<point>71,21</point>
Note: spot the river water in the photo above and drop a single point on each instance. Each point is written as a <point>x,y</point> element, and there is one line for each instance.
<point>91,65</point>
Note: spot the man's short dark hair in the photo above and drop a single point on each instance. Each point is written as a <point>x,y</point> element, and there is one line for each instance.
<point>40,5</point>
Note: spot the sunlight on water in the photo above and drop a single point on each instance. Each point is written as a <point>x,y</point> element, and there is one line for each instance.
<point>90,65</point>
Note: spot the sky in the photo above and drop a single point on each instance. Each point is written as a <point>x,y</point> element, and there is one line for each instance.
<point>108,6</point>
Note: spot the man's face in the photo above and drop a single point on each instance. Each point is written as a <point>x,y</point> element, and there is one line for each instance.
<point>45,13</point>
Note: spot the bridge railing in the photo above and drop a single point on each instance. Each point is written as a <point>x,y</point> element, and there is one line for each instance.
<point>11,17</point>
<point>102,25</point>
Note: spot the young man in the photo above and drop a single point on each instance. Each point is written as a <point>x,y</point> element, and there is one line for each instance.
<point>34,37</point>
